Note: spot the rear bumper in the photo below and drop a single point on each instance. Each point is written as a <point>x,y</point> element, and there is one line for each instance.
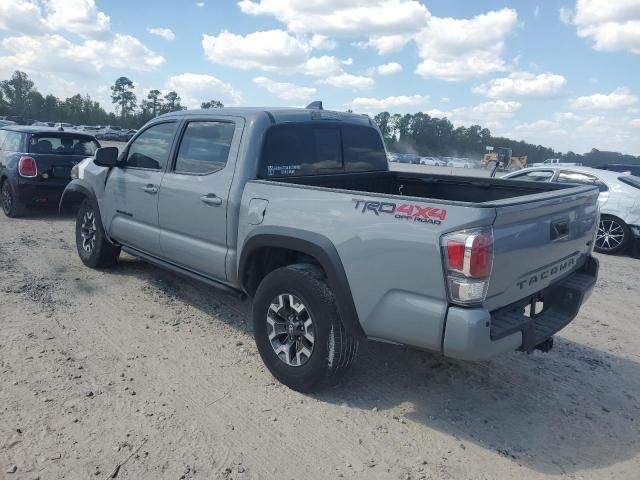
<point>39,192</point>
<point>476,334</point>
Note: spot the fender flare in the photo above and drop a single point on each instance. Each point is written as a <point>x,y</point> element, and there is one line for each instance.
<point>316,246</point>
<point>74,188</point>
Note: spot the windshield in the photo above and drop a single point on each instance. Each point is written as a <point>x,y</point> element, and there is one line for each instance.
<point>63,145</point>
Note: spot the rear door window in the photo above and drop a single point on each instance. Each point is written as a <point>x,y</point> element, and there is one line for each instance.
<point>295,149</point>
<point>204,147</point>
<point>534,176</point>
<point>62,145</point>
<point>12,141</point>
<point>568,176</point>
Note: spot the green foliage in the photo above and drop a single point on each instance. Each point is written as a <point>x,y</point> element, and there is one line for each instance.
<point>122,95</point>
<point>212,104</point>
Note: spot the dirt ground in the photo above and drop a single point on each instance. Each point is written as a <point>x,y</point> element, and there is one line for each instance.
<point>137,364</point>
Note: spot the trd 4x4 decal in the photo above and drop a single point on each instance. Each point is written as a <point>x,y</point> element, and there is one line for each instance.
<point>405,211</point>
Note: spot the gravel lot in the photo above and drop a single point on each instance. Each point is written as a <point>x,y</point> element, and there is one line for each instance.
<point>141,365</point>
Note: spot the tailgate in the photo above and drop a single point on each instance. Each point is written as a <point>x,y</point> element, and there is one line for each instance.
<point>538,242</point>
<point>56,166</point>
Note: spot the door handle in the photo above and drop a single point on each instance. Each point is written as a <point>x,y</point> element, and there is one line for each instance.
<point>151,189</point>
<point>211,199</point>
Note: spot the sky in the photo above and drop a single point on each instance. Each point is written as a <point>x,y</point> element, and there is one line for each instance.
<point>560,73</point>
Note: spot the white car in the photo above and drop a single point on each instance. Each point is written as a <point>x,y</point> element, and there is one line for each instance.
<point>432,161</point>
<point>461,163</point>
<point>619,200</point>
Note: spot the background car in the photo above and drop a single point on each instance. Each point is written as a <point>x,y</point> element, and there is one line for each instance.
<point>619,201</point>
<point>621,167</point>
<point>36,163</point>
<point>461,163</point>
<point>432,161</point>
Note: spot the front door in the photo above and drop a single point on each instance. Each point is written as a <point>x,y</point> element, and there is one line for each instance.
<point>130,210</point>
<point>194,196</point>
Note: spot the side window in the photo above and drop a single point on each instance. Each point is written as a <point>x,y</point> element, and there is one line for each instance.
<point>567,176</point>
<point>12,141</point>
<point>151,149</point>
<point>204,147</point>
<point>534,176</point>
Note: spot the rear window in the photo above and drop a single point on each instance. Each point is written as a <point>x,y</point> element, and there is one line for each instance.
<point>309,148</point>
<point>62,145</point>
<point>630,180</point>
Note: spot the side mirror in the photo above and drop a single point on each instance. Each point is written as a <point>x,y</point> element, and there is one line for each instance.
<point>106,157</point>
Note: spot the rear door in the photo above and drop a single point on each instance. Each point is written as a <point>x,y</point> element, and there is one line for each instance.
<point>538,241</point>
<point>130,207</point>
<point>194,195</point>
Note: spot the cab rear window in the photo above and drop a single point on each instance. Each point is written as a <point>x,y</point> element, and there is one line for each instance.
<point>630,180</point>
<point>62,145</point>
<point>309,148</point>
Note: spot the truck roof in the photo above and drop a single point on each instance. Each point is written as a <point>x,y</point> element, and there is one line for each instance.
<point>278,114</point>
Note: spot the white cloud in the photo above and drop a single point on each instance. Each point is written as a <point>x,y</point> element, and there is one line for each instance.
<point>165,33</point>
<point>610,24</point>
<point>389,68</point>
<point>120,51</point>
<point>322,42</point>
<point>195,88</point>
<point>77,16</point>
<point>381,104</point>
<point>284,90</point>
<point>524,84</point>
<point>199,4</point>
<point>321,66</point>
<point>537,126</point>
<point>343,17</point>
<point>635,122</point>
<point>37,17</point>
<point>458,49</point>
<point>266,50</point>
<point>619,99</point>
<point>386,44</point>
<point>346,80</point>
<point>536,11</point>
<point>437,113</point>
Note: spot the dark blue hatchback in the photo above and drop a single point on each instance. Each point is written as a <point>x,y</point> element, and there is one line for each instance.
<point>36,163</point>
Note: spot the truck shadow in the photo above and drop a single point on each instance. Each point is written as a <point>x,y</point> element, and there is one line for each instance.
<point>570,410</point>
<point>573,409</point>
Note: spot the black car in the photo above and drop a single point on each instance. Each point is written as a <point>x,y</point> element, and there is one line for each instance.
<point>36,162</point>
<point>621,167</point>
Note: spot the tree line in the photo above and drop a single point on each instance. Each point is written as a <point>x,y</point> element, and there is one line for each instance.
<point>418,133</point>
<point>20,97</point>
<point>429,136</point>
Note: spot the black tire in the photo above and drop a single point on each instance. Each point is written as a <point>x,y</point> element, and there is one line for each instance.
<point>333,350</point>
<point>614,236</point>
<point>10,205</point>
<point>94,249</point>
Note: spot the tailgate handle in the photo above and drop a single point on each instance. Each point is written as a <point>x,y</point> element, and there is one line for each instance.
<point>559,229</point>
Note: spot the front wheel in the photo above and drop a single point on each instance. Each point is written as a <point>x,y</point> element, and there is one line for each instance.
<point>298,331</point>
<point>94,249</point>
<point>613,235</point>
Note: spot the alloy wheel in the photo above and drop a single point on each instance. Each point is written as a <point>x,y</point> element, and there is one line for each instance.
<point>7,198</point>
<point>290,330</point>
<point>88,231</point>
<point>610,235</point>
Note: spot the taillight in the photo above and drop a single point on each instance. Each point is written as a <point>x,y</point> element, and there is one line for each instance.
<point>468,260</point>
<point>27,167</point>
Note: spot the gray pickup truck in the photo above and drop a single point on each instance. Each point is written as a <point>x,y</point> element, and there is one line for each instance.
<point>298,210</point>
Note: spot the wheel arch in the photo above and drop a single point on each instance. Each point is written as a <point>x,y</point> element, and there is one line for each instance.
<point>268,248</point>
<point>74,193</point>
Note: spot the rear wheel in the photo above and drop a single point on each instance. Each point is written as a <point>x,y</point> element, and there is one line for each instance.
<point>297,329</point>
<point>613,235</point>
<point>10,204</point>
<point>94,249</point>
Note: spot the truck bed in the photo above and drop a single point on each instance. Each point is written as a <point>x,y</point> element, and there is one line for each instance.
<point>448,188</point>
